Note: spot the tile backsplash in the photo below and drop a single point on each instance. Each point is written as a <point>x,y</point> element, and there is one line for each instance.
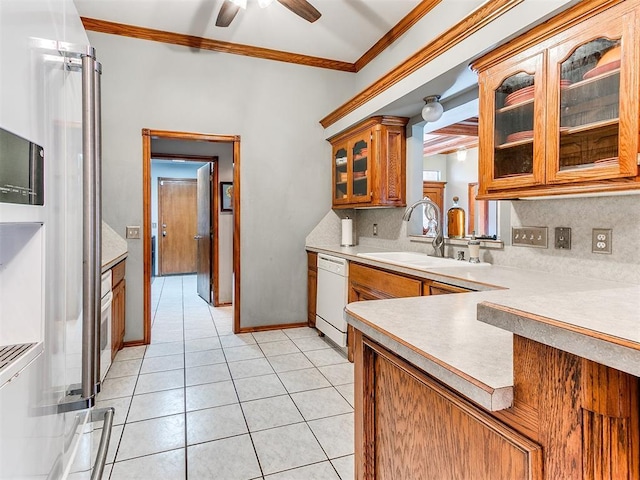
<point>619,213</point>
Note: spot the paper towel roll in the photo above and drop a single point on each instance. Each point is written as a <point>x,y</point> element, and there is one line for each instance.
<point>347,232</point>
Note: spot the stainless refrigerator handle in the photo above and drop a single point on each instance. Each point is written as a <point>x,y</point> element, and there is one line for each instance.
<point>88,229</point>
<point>97,244</point>
<point>103,448</point>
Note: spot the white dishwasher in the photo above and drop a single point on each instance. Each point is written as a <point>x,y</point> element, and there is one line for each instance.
<point>333,278</point>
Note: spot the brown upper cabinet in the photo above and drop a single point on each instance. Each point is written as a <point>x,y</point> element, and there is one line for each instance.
<point>369,164</point>
<point>562,116</point>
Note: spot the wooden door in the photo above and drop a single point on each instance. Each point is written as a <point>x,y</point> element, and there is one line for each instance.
<point>204,236</point>
<point>177,215</point>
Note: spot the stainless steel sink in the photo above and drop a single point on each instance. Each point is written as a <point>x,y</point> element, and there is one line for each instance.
<point>415,260</point>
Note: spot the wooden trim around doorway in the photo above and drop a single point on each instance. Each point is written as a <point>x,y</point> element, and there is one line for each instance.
<point>147,135</point>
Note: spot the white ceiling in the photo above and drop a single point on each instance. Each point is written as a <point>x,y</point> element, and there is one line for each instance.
<point>345,31</point>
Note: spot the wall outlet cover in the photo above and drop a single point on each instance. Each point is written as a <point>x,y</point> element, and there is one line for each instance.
<point>133,232</point>
<point>601,239</point>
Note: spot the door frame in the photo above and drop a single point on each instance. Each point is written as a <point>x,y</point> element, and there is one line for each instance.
<point>214,222</point>
<point>147,135</point>
<point>160,180</point>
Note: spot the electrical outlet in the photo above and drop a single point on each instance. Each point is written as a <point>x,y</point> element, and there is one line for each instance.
<point>563,238</point>
<point>133,232</point>
<point>375,229</point>
<point>529,237</point>
<point>601,240</point>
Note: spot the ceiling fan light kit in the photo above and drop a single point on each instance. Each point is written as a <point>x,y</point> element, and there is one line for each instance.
<point>230,8</point>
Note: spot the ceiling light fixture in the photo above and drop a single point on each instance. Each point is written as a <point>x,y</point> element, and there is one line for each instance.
<point>432,110</point>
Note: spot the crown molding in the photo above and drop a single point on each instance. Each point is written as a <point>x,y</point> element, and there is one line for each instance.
<point>476,20</point>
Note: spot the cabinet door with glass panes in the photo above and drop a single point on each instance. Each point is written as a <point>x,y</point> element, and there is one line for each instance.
<point>352,170</point>
<point>512,133</point>
<point>359,155</point>
<point>592,98</point>
<point>341,174</point>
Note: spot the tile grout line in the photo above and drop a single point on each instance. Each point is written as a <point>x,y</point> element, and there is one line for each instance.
<point>304,420</point>
<point>259,344</point>
<point>184,388</point>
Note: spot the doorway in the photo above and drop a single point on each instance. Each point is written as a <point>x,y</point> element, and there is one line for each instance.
<point>230,220</point>
<point>177,218</point>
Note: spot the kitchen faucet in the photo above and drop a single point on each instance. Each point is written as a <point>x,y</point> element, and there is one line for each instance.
<point>438,241</point>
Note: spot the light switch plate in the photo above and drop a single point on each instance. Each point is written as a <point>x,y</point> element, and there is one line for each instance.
<point>133,232</point>
<point>601,240</point>
<point>529,237</point>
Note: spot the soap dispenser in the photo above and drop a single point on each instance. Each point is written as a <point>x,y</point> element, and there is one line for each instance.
<point>474,249</point>
<point>455,220</point>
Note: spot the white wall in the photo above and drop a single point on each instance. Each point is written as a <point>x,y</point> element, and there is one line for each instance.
<point>225,236</point>
<point>285,178</point>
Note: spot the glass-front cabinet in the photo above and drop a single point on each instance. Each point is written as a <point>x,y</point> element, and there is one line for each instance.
<point>589,127</point>
<point>515,99</point>
<point>563,116</point>
<point>372,149</point>
<point>351,170</point>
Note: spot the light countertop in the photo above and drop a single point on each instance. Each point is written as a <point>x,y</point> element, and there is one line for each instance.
<point>114,247</point>
<point>442,335</point>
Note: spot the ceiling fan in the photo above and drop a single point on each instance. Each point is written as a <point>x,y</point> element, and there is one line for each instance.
<point>230,9</point>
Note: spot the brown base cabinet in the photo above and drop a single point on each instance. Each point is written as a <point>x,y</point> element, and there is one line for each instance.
<point>571,419</point>
<point>118,307</point>
<point>312,287</point>
<point>369,283</point>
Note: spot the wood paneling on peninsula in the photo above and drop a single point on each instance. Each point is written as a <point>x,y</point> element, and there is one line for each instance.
<point>409,426</point>
<point>571,418</point>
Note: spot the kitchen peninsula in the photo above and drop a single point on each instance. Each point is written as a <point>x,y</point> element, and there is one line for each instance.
<point>531,376</point>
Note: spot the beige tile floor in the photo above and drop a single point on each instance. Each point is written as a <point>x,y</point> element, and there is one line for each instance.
<point>203,403</point>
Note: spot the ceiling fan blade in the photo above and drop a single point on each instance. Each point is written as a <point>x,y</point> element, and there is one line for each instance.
<point>228,12</point>
<point>303,9</point>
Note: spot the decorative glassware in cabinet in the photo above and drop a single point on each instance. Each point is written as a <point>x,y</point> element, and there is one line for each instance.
<point>341,174</point>
<point>514,126</point>
<point>589,106</point>
<point>360,155</point>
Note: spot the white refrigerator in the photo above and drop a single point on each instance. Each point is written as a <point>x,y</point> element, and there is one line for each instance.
<point>49,244</point>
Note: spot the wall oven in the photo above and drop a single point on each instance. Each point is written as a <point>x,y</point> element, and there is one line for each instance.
<point>105,324</point>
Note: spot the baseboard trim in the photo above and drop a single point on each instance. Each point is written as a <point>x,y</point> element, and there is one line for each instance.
<point>133,343</point>
<point>281,326</point>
